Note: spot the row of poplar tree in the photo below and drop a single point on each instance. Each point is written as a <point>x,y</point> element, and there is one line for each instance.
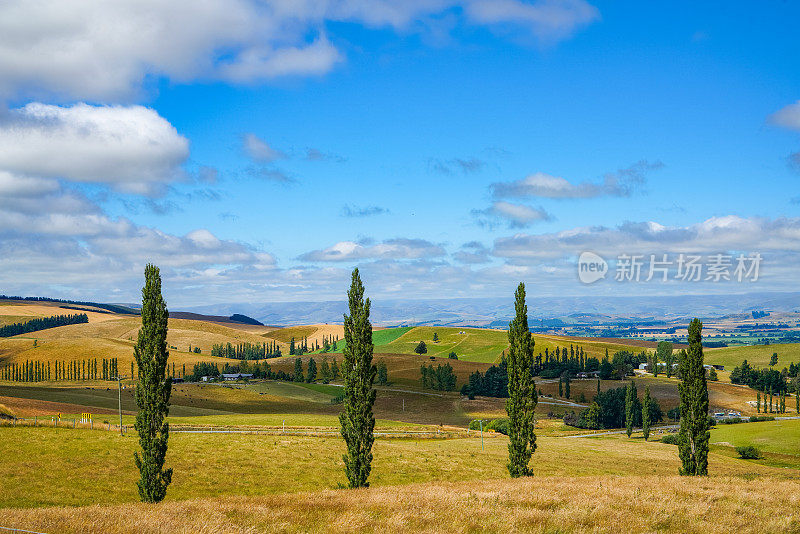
<point>38,371</point>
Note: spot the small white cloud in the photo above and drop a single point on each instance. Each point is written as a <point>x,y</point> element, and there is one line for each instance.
<point>787,117</point>
<point>622,183</point>
<point>260,150</point>
<point>515,215</point>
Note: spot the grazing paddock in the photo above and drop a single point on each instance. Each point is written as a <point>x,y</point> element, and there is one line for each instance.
<point>66,467</point>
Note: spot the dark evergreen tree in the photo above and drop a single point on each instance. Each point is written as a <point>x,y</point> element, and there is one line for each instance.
<point>357,421</point>
<point>334,370</point>
<point>383,374</point>
<point>325,370</point>
<point>153,391</point>
<point>311,375</point>
<point>522,398</point>
<point>693,435</point>
<point>298,370</point>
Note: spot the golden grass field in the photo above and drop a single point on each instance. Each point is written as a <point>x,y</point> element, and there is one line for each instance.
<point>234,483</point>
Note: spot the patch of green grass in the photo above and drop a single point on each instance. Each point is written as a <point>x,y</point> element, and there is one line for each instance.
<point>756,355</point>
<point>780,437</point>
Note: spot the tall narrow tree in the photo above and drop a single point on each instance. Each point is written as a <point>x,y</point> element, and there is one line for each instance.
<point>646,413</point>
<point>357,421</point>
<point>693,435</point>
<point>153,391</point>
<point>522,398</point>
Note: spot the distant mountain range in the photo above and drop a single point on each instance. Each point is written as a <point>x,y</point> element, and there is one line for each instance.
<point>497,311</point>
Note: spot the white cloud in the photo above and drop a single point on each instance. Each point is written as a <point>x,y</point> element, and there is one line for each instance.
<point>398,248</point>
<point>260,150</point>
<point>100,51</point>
<point>715,235</point>
<point>622,183</point>
<point>787,117</point>
<point>548,20</point>
<point>515,215</point>
<point>132,148</point>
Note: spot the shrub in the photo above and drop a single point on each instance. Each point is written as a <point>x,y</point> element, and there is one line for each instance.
<point>498,425</point>
<point>759,418</point>
<point>748,452</point>
<point>421,348</point>
<point>452,356</point>
<point>731,421</point>
<point>670,439</point>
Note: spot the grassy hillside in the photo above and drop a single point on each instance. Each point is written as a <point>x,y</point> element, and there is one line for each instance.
<point>756,355</point>
<point>477,344</point>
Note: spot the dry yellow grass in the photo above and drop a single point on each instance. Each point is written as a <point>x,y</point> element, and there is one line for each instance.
<point>115,337</point>
<point>537,504</point>
<point>27,312</point>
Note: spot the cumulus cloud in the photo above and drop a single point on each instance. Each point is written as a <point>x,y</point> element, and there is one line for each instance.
<point>622,183</point>
<point>714,235</point>
<point>787,117</point>
<point>101,51</point>
<point>362,211</point>
<point>472,253</point>
<point>397,249</point>
<point>514,215</point>
<point>133,149</point>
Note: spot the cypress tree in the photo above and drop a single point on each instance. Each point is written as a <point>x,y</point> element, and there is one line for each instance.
<point>522,398</point>
<point>560,386</point>
<point>630,394</point>
<point>312,371</point>
<point>693,435</point>
<point>566,385</point>
<point>758,401</point>
<point>646,413</point>
<point>153,391</point>
<point>357,421</point>
<point>598,386</point>
<point>298,370</point>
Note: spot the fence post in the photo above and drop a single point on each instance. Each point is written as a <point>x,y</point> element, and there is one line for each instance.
<point>15,421</point>
<point>73,422</point>
<point>35,420</point>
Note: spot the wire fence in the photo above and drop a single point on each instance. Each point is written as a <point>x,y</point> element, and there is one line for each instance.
<point>75,423</point>
<point>58,422</point>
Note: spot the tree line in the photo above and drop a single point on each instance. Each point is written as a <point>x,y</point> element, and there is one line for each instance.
<point>42,323</point>
<point>58,371</point>
<point>246,351</point>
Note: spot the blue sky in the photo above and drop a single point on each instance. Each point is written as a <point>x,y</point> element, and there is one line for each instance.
<point>259,151</point>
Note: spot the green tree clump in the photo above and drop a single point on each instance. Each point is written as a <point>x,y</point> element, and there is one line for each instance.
<point>421,348</point>
<point>356,418</point>
<point>522,398</point>
<point>693,389</point>
<point>153,390</point>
